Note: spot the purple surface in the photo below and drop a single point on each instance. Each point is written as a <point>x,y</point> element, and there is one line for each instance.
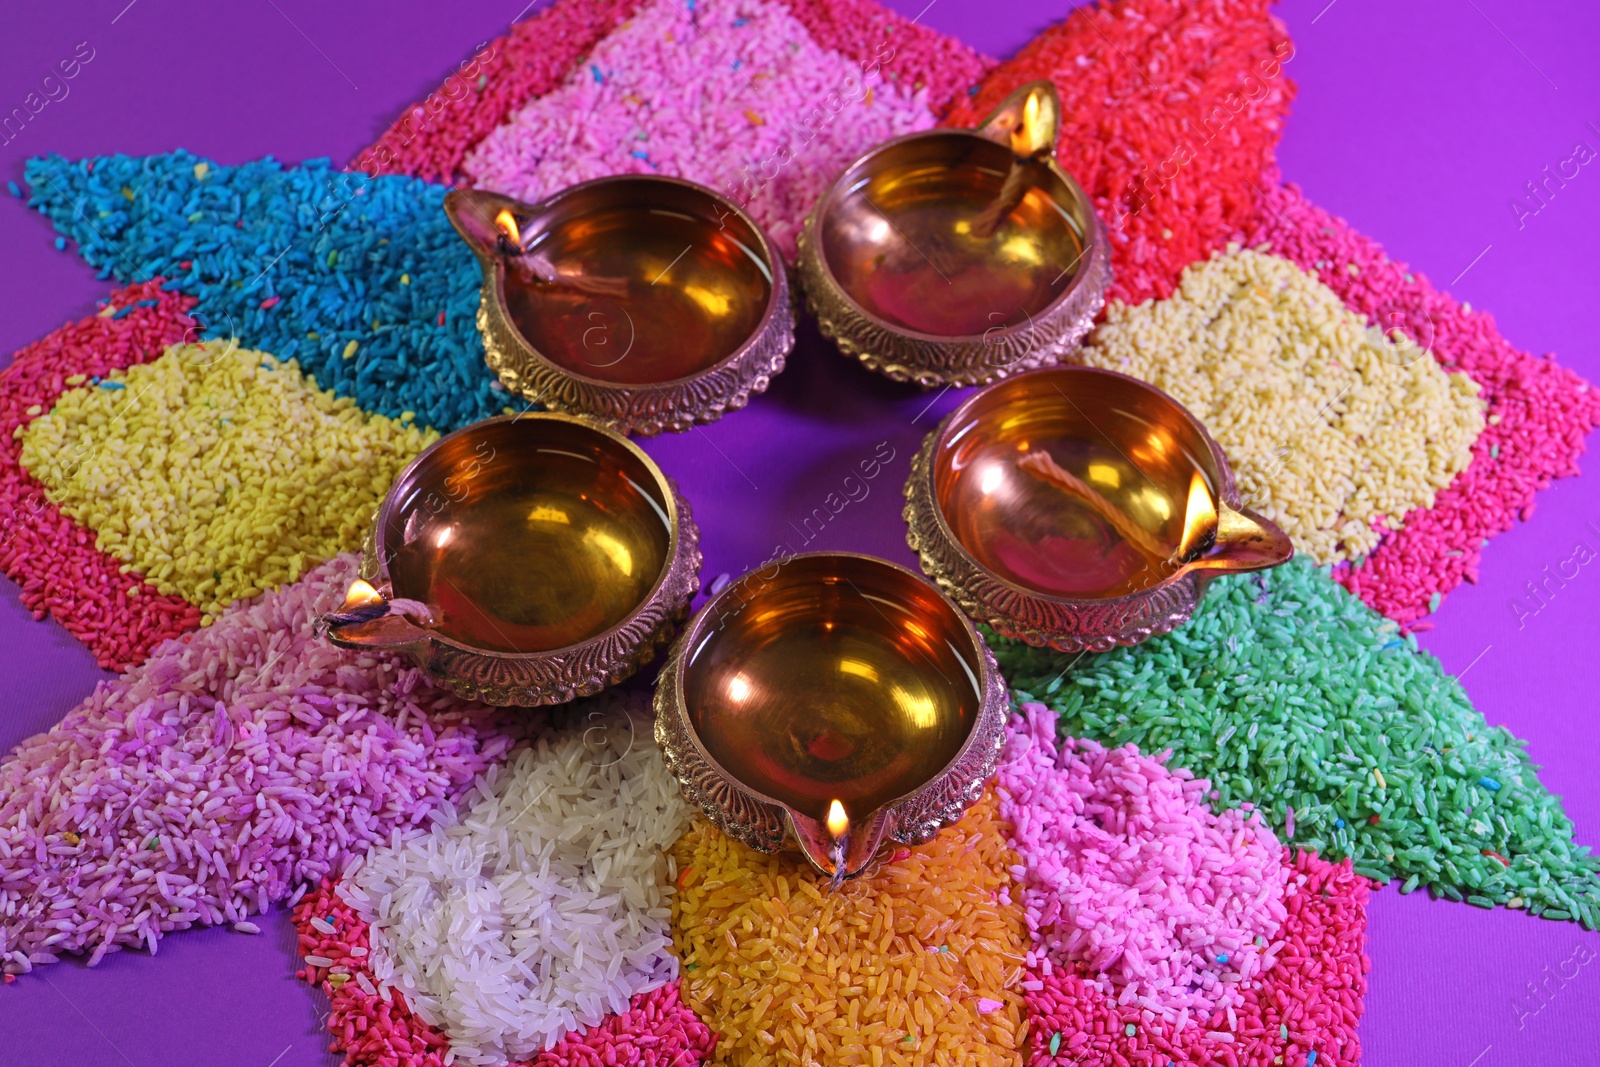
<point>1417,122</point>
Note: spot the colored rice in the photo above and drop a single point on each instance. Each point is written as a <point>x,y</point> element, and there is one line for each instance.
<point>429,138</point>
<point>374,1028</point>
<point>217,472</point>
<point>234,768</point>
<point>53,560</point>
<point>542,905</point>
<point>1171,113</point>
<point>732,94</point>
<point>1538,411</point>
<point>1289,693</point>
<point>1333,430</point>
<point>918,56</point>
<point>220,777</point>
<point>1131,881</point>
<point>362,280</point>
<point>920,961</point>
<point>1309,1002</point>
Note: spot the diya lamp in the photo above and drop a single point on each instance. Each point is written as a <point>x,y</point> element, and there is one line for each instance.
<point>831,702</point>
<point>1080,509</point>
<point>525,560</point>
<point>646,302</point>
<point>958,257</point>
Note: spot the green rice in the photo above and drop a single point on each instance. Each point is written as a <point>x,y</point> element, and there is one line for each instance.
<point>1288,692</point>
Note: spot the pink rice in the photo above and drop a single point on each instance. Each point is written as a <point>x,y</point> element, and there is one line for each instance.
<point>430,137</point>
<point>922,57</point>
<point>235,767</point>
<point>733,94</point>
<point>1131,881</point>
<point>1310,1002</point>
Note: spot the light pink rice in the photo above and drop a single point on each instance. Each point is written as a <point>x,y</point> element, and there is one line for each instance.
<point>733,94</point>
<point>1131,881</point>
<point>235,767</point>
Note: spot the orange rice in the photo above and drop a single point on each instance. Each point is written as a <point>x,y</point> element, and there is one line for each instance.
<point>890,971</point>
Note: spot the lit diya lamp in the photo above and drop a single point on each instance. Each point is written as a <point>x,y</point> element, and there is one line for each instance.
<point>525,560</point>
<point>958,257</point>
<point>834,701</point>
<point>1081,509</point>
<point>649,303</point>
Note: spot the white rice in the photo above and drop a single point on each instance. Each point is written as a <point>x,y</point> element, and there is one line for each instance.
<point>543,903</point>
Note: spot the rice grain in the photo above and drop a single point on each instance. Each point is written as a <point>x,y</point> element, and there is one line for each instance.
<point>215,471</point>
<point>230,770</point>
<point>540,906</point>
<point>1333,430</point>
<point>1338,693</point>
<point>895,968</point>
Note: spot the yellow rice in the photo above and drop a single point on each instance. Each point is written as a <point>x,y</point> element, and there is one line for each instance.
<point>887,971</point>
<point>217,472</point>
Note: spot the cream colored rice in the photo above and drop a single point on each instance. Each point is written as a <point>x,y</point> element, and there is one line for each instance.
<point>1333,430</point>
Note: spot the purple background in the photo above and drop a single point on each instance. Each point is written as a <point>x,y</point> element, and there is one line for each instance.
<point>1418,122</point>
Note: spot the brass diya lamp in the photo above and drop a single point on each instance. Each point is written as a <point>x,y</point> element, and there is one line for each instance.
<point>956,257</point>
<point>648,303</point>
<point>1079,508</point>
<point>833,700</point>
<point>525,560</point>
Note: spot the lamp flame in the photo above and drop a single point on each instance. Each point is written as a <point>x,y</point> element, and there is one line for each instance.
<point>1199,517</point>
<point>838,821</point>
<point>1032,133</point>
<point>361,594</point>
<point>506,223</point>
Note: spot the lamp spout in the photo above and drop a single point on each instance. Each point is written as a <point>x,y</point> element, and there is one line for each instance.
<point>480,218</point>
<point>1245,541</point>
<point>844,855</point>
<point>368,619</point>
<point>1028,121</point>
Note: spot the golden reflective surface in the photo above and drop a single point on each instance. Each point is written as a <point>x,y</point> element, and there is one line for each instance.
<point>528,535</point>
<point>904,235</point>
<point>654,281</point>
<point>838,677</point>
<point>1129,453</point>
